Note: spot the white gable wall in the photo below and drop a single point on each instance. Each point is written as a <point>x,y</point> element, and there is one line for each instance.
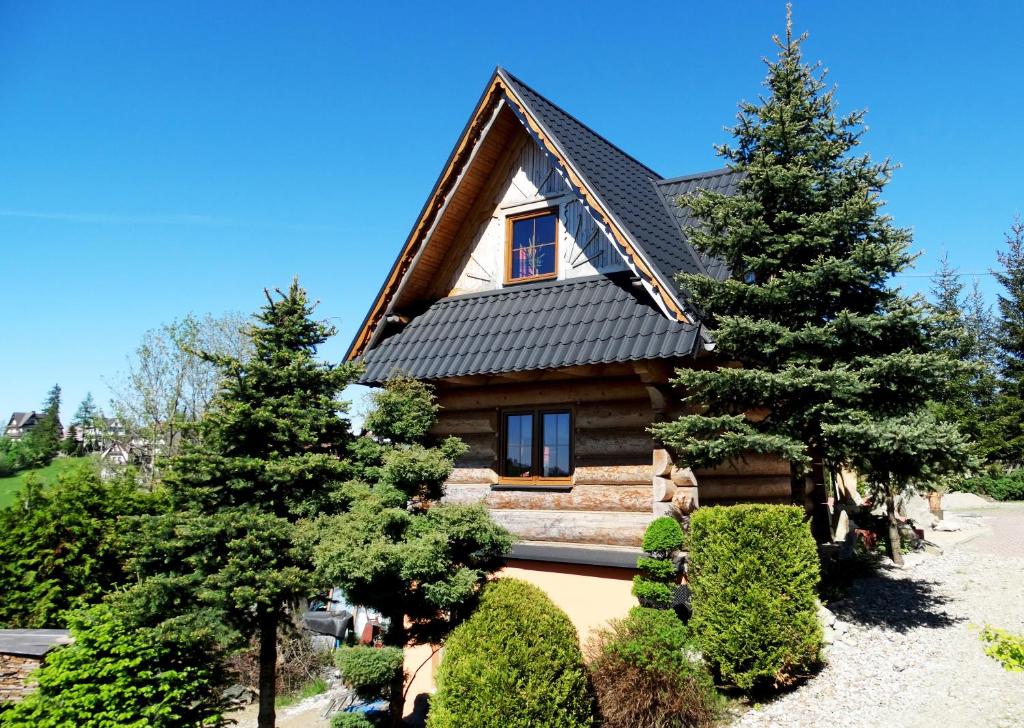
<point>533,182</point>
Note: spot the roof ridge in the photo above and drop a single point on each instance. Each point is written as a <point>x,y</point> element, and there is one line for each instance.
<point>721,171</point>
<point>558,108</point>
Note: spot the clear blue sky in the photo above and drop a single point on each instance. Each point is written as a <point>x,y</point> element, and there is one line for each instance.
<point>164,158</point>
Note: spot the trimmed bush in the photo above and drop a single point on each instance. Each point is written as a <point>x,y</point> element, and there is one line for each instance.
<point>645,674</point>
<point>369,671</point>
<point>515,663</point>
<point>655,585</point>
<point>351,720</point>
<point>753,570</point>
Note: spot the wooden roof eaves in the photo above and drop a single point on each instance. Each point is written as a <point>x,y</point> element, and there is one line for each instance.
<point>431,207</point>
<point>499,87</point>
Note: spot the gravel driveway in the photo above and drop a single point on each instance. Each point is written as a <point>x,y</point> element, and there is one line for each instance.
<point>907,652</point>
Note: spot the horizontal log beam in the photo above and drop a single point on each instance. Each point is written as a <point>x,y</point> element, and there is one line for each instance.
<point>538,394</point>
<point>611,529</point>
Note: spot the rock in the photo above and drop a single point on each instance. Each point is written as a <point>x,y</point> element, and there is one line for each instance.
<point>842,527</point>
<point>948,525</point>
<point>841,627</point>
<point>240,695</point>
<point>964,501</point>
<point>825,615</point>
<point>916,508</point>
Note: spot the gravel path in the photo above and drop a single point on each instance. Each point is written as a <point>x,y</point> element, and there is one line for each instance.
<point>908,655</point>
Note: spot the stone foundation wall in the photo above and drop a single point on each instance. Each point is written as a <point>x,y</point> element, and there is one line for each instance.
<point>14,671</point>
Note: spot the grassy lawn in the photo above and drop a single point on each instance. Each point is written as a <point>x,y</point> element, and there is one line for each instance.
<point>11,485</point>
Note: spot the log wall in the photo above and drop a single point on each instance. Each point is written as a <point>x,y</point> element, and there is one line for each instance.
<point>611,498</point>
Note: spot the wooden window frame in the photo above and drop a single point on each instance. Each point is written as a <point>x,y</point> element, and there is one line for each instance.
<point>536,481</point>
<point>510,220</point>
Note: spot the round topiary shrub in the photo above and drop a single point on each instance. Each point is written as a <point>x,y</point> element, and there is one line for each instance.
<point>369,671</point>
<point>646,674</point>
<point>753,570</point>
<point>655,585</point>
<point>515,663</point>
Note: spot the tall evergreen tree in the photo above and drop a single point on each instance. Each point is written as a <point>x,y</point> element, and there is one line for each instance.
<point>45,436</point>
<point>266,456</point>
<point>1010,338</point>
<point>87,420</point>
<point>817,336</point>
<point>962,328</point>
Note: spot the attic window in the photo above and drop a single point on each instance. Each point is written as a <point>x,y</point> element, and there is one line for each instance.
<point>532,247</point>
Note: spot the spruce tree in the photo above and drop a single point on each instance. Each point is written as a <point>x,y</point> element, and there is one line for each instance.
<point>270,447</point>
<point>87,418</point>
<point>45,436</point>
<point>962,328</point>
<point>1010,336</point>
<point>809,333</point>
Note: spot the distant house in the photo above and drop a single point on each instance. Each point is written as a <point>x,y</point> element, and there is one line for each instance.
<point>20,423</point>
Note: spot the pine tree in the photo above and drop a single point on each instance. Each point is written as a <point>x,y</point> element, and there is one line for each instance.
<point>823,361</point>
<point>270,447</point>
<point>45,436</point>
<point>962,328</point>
<point>87,418</point>
<point>396,549</point>
<point>1010,337</point>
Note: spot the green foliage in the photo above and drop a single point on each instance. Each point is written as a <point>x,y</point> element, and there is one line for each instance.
<point>654,586</point>
<point>66,545</point>
<point>515,663</point>
<point>369,671</point>
<point>318,686</point>
<point>1006,648</point>
<point>663,536</point>
<point>351,720</point>
<point>268,451</point>
<point>1009,487</point>
<point>645,674</point>
<point>403,411</point>
<point>429,566</point>
<point>117,673</point>
<point>963,327</point>
<point>753,570</point>
<point>1008,410</point>
<point>821,337</point>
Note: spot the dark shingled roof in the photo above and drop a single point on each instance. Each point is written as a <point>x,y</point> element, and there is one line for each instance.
<point>720,180</point>
<point>32,642</point>
<point>639,197</point>
<point>598,319</point>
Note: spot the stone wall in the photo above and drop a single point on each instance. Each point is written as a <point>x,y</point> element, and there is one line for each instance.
<point>14,671</point>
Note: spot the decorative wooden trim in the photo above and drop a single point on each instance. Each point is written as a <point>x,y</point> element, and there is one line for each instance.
<point>510,220</point>
<point>471,135</point>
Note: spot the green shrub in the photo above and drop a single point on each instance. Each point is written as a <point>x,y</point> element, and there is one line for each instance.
<point>66,545</point>
<point>118,674</point>
<point>351,720</point>
<point>1004,647</point>
<point>753,570</point>
<point>1008,487</point>
<point>655,585</point>
<point>645,674</point>
<point>514,663</point>
<point>369,671</point>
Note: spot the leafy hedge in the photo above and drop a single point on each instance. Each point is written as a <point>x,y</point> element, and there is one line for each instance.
<point>753,570</point>
<point>118,674</point>
<point>514,663</point>
<point>1009,487</point>
<point>645,674</point>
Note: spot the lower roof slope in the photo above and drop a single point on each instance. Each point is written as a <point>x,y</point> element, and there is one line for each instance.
<point>593,320</point>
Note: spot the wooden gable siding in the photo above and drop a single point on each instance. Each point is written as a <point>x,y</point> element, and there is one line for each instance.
<point>611,499</point>
<point>531,181</point>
